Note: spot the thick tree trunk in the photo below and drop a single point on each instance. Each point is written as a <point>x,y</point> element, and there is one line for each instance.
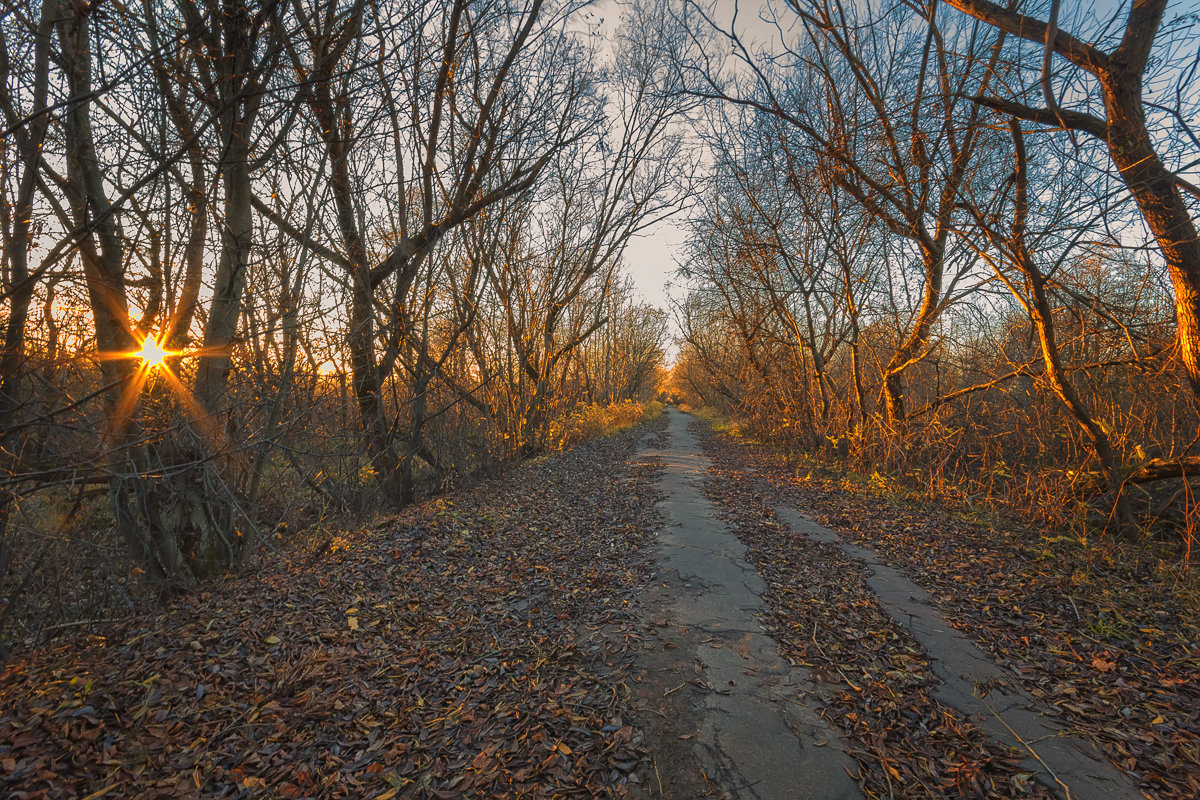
<point>1158,198</point>
<point>198,502</point>
<point>1038,306</point>
<point>415,444</point>
<point>173,504</point>
<point>368,390</point>
<point>203,511</point>
<point>1061,384</point>
<point>893,395</point>
<point>184,310</point>
<point>859,414</point>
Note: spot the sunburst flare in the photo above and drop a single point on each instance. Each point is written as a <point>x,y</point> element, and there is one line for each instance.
<point>153,354</point>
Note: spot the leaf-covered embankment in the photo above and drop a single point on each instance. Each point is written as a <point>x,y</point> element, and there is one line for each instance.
<point>476,645</point>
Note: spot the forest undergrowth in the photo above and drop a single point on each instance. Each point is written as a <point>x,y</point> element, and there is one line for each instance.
<point>72,573</point>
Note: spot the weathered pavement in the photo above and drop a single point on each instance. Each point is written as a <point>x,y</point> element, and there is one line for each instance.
<point>731,717</point>
<point>977,686</point>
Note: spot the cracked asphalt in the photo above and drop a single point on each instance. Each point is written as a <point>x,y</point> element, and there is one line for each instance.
<point>973,683</point>
<point>730,717</point>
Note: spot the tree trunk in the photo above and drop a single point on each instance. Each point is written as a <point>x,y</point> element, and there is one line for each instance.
<point>392,472</point>
<point>1060,382</point>
<point>911,351</point>
<point>17,229</point>
<point>153,546</point>
<point>237,227</point>
<point>1038,306</point>
<point>859,415</point>
<point>1158,198</point>
<point>417,407</point>
<point>1154,188</point>
<point>368,390</point>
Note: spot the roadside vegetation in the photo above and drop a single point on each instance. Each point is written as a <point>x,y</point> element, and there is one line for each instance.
<point>271,270</point>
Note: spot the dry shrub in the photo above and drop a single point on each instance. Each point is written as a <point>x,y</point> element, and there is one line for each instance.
<point>591,420</point>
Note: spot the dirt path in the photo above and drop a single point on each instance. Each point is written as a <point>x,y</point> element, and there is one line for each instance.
<point>731,718</point>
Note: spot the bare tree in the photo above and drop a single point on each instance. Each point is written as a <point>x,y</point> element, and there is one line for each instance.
<point>467,118</point>
<point>607,189</point>
<point>1118,79</point>
<point>21,172</point>
<point>881,98</point>
<point>1031,287</point>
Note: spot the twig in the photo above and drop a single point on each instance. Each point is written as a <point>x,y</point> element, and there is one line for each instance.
<point>1028,746</point>
<point>1078,616</point>
<point>73,624</point>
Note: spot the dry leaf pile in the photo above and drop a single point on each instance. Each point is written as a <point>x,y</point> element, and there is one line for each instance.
<point>1115,654</point>
<point>474,646</point>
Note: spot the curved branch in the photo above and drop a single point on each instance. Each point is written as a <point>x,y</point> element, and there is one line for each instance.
<point>1075,50</point>
<point>1072,120</point>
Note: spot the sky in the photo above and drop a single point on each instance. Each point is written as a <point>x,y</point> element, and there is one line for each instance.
<point>652,258</point>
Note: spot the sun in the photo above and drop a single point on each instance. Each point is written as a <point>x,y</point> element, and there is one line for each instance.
<point>152,353</point>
